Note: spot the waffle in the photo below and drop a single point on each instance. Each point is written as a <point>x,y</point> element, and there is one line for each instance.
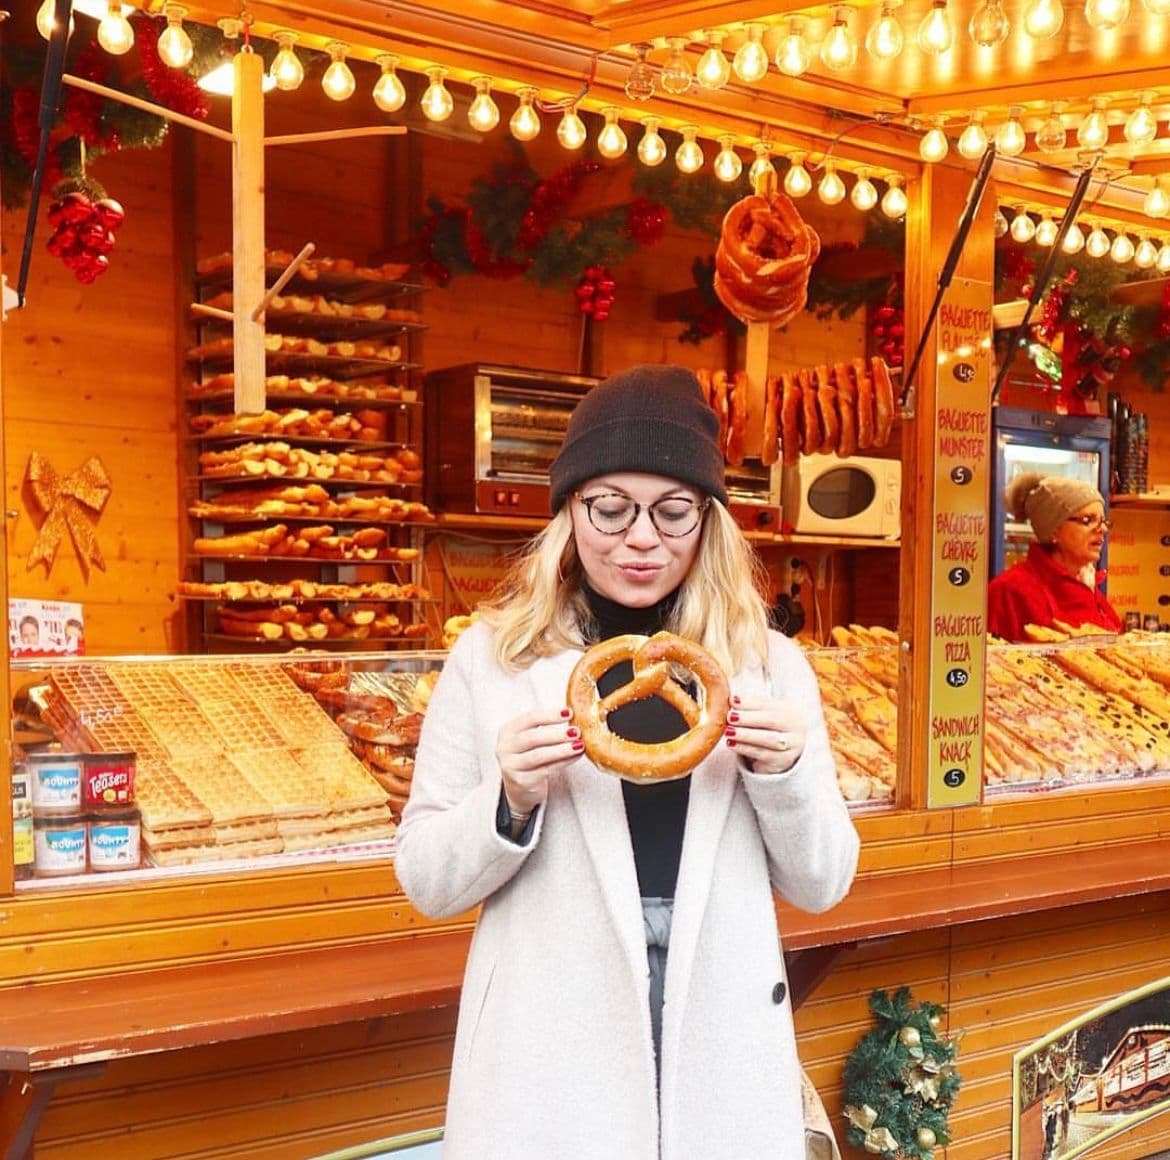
<point>173,719</point>
<point>178,837</point>
<point>165,799</point>
<point>369,833</point>
<point>216,853</point>
<point>347,783</point>
<point>239,729</point>
<point>223,790</point>
<point>290,789</point>
<point>246,831</point>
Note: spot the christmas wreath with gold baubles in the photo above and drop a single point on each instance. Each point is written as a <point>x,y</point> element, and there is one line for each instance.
<point>900,1080</point>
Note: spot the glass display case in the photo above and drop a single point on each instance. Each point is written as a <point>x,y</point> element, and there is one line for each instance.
<point>135,766</point>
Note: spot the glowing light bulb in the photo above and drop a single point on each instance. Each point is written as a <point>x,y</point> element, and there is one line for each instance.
<point>1163,263</point>
<point>1145,255</point>
<point>1106,14</point>
<point>934,145</point>
<point>797,182</point>
<point>1141,126</point>
<point>1074,240</point>
<point>728,164</point>
<point>651,148</point>
<point>894,202</point>
<point>1045,232</point>
<point>390,92</point>
<point>676,77</point>
<point>1093,132</point>
<point>762,166</point>
<point>936,33</point>
<point>114,32</point>
<point>973,139</point>
<point>830,188</point>
<point>436,102</point>
<point>1002,225</point>
<point>863,195</point>
<point>714,69</point>
<point>640,79</point>
<point>571,131</point>
<point>1010,137</point>
<point>611,141</point>
<point>174,45</point>
<point>885,38</point>
<point>1097,243</point>
<point>839,49</point>
<point>1052,136</point>
<point>751,58</point>
<point>989,25</point>
<point>1043,18</point>
<point>793,53</point>
<point>1157,201</point>
<point>1023,228</point>
<point>525,123</point>
<point>338,81</point>
<point>689,156</point>
<point>1122,250</point>
<point>286,69</point>
<point>483,114</point>
<point>47,19</point>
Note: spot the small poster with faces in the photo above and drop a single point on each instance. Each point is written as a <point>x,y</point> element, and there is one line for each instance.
<point>45,628</point>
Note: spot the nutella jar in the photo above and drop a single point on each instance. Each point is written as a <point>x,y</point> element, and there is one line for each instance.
<point>56,783</point>
<point>115,837</point>
<point>107,781</point>
<point>60,845</point>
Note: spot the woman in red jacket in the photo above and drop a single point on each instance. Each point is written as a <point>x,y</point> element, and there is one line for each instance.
<point>1059,579</point>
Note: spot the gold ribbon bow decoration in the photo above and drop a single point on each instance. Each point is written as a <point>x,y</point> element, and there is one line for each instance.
<point>73,503</point>
<point>879,1141</point>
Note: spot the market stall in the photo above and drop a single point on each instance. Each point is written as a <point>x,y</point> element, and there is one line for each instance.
<point>1018,892</point>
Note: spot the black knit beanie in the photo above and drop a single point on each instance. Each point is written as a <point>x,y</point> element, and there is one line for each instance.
<point>647,418</point>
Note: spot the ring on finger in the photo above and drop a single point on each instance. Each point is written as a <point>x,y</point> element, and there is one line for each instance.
<point>782,745</point>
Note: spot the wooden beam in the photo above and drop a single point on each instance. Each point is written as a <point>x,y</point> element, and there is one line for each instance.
<point>248,231</point>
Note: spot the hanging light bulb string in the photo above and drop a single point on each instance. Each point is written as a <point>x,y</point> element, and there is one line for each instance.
<point>563,103</point>
<point>876,119</point>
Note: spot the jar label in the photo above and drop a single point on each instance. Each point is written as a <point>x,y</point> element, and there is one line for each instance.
<point>23,847</point>
<point>60,851</point>
<point>56,787</point>
<point>113,845</point>
<point>109,780</point>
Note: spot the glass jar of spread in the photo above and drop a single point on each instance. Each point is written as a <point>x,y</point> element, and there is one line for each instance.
<point>60,845</point>
<point>56,782</point>
<point>23,848</point>
<point>115,839</point>
<point>107,781</point>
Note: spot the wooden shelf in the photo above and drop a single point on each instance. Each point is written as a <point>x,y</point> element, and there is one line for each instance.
<point>1151,500</point>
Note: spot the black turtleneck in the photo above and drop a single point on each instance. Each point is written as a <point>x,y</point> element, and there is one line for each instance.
<point>657,812</point>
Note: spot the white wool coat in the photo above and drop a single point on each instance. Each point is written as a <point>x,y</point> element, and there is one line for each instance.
<point>554,1055</point>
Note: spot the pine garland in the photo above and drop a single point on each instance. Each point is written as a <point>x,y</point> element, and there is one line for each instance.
<point>900,1080</point>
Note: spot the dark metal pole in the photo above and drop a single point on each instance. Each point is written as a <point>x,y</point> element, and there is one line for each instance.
<point>1041,284</point>
<point>50,95</point>
<point>974,197</point>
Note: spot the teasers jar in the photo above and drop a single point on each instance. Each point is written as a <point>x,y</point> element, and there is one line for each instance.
<point>56,782</point>
<point>115,839</point>
<point>60,843</point>
<point>107,782</point>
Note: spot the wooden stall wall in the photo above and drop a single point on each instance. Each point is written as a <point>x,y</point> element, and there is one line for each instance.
<point>89,371</point>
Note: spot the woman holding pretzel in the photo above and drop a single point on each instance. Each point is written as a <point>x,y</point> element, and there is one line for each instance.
<point>625,993</point>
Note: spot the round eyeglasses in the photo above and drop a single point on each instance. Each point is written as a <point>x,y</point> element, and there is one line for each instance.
<point>611,513</point>
<point>1091,523</point>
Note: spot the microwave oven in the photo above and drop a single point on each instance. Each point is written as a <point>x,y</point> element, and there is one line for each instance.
<point>822,495</point>
<point>492,432</point>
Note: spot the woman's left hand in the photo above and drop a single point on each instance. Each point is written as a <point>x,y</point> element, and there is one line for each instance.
<point>766,732</point>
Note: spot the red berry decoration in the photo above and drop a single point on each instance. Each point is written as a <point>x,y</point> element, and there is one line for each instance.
<point>83,230</point>
<point>595,293</point>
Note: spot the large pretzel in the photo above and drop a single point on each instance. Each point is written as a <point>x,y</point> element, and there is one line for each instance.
<point>652,658</point>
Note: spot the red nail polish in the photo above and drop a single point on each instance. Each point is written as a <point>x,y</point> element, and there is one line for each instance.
<point>733,716</point>
<point>566,712</point>
<point>730,743</point>
<point>573,731</point>
<point>578,746</point>
<point>735,700</point>
<point>729,731</point>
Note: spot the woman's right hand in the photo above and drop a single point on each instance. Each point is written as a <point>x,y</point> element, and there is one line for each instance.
<point>529,748</point>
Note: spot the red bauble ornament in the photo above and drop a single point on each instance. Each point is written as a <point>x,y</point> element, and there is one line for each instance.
<point>110,213</point>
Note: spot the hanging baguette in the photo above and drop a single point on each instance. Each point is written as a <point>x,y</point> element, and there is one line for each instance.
<point>826,393</point>
<point>789,419</point>
<point>812,436</point>
<point>847,408</point>
<point>770,439</point>
<point>865,414</point>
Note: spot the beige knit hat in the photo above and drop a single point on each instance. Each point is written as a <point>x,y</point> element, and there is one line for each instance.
<point>1046,501</point>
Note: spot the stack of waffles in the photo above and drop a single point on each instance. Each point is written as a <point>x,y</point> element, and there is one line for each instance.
<point>232,761</point>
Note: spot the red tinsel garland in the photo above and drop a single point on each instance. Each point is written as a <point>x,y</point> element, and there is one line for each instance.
<point>548,201</point>
<point>172,88</point>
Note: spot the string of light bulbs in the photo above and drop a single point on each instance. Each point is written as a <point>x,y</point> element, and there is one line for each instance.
<point>338,82</point>
<point>1100,242</point>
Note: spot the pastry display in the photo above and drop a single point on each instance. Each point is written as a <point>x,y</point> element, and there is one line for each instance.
<point>233,760</point>
<point>321,423</point>
<point>280,460</point>
<point>312,269</point>
<point>310,387</point>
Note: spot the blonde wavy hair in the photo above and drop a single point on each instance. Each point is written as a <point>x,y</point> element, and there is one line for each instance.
<point>541,609</point>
